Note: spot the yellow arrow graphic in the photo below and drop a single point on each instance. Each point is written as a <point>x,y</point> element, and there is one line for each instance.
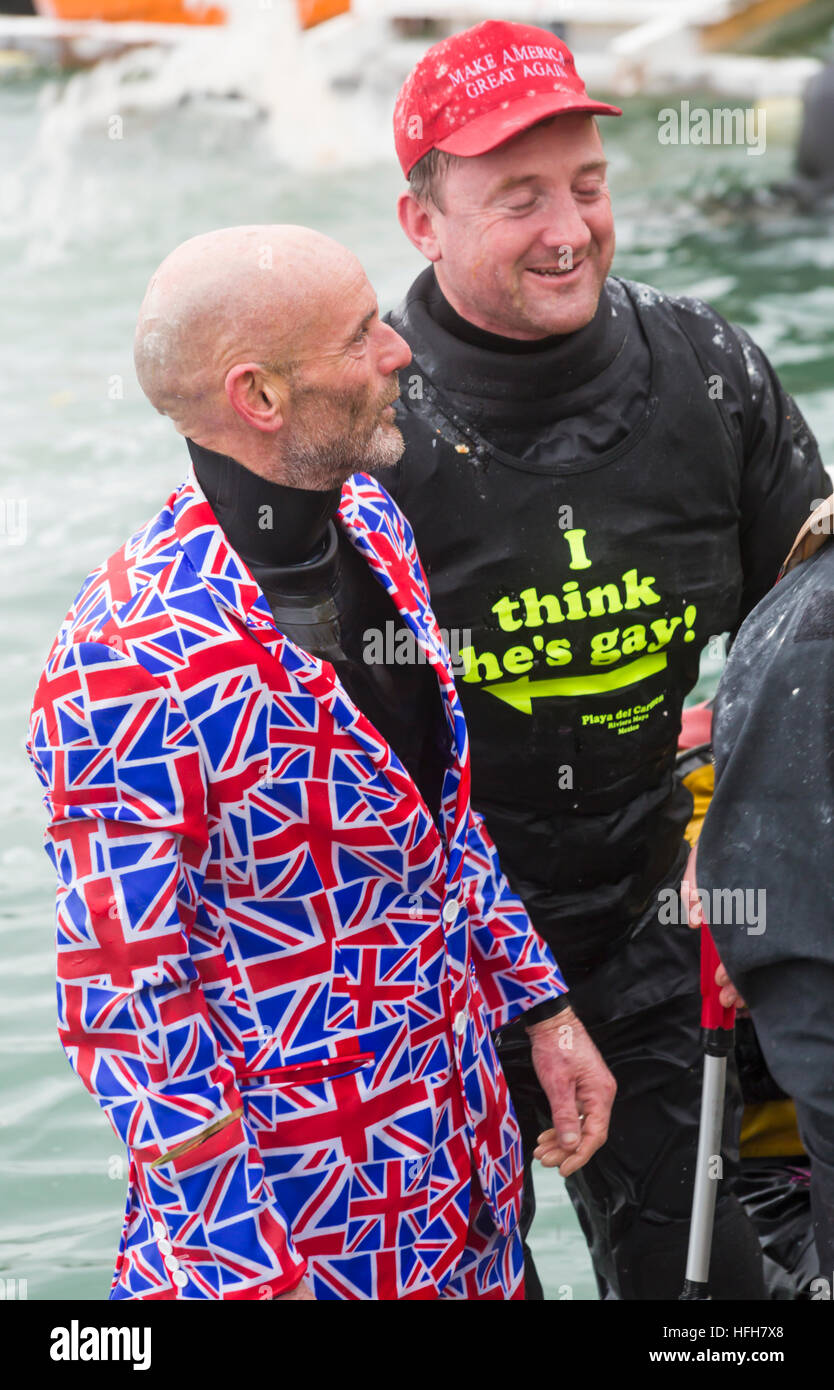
<point>521,693</point>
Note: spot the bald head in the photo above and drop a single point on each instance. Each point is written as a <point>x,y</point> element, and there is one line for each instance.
<point>265,343</point>
<point>257,293</point>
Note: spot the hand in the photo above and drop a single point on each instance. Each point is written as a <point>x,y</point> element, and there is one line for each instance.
<point>301,1291</point>
<point>689,890</point>
<point>729,995</point>
<point>579,1088</point>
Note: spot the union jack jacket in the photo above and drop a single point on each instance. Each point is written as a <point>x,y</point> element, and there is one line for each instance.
<point>276,974</point>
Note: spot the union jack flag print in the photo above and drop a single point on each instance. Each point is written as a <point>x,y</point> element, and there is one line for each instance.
<point>276,974</point>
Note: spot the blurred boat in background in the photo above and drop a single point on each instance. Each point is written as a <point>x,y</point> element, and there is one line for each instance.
<point>151,12</point>
<point>650,46</point>
<point>309,12</point>
<point>73,33</point>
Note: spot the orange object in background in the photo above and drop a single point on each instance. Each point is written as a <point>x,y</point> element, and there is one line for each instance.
<point>144,11</point>
<point>312,12</point>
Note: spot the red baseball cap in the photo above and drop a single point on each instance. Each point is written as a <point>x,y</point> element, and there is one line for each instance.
<point>474,90</point>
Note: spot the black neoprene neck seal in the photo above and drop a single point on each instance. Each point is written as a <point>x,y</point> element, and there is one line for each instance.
<point>266,523</point>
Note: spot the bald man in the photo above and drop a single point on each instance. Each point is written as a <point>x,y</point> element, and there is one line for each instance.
<point>286,386</point>
<point>283,936</point>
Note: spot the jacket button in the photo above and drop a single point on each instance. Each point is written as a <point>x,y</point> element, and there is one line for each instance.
<point>180,1278</point>
<point>459,1024</point>
<point>451,908</point>
<point>159,1230</point>
<point>165,1247</point>
<point>171,1262</point>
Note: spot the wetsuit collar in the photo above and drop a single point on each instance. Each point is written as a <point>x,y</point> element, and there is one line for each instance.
<point>489,365</point>
<point>266,523</point>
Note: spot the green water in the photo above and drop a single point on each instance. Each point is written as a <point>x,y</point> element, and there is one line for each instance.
<point>85,219</point>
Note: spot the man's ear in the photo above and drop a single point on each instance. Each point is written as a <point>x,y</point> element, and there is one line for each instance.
<point>258,396</point>
<point>418,223</point>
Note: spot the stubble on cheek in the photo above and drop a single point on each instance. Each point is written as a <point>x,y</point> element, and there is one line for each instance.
<point>490,292</point>
<point>475,267</point>
<point>518,290</point>
<point>387,447</point>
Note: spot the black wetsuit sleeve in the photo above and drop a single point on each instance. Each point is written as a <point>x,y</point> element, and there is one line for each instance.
<point>770,824</point>
<point>767,848</point>
<point>783,477</point>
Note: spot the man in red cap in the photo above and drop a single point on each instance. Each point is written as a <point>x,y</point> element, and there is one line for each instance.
<point>599,477</point>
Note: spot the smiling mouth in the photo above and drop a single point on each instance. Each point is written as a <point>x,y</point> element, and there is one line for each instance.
<point>553,272</point>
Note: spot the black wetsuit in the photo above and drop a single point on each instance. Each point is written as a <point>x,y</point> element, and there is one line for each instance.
<point>589,510</point>
<point>812,184</point>
<point>769,831</point>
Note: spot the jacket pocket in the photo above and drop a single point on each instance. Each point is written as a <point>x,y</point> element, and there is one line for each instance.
<point>305,1073</point>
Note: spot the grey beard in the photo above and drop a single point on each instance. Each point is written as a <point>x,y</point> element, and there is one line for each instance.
<point>318,464</point>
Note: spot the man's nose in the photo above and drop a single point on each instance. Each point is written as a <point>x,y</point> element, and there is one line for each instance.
<point>394,352</point>
<point>565,226</point>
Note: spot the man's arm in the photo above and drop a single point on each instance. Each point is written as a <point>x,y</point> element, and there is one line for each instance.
<point>129,841</point>
<point>515,969</point>
<point>780,470</point>
<point>783,478</point>
<point>511,962</point>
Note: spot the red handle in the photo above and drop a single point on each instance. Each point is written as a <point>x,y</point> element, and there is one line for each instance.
<point>713,1013</point>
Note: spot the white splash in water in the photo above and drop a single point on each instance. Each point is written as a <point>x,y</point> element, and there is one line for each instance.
<point>310,101</point>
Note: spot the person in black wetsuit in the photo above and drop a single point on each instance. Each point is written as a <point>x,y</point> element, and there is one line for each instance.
<point>812,183</point>
<point>768,830</point>
<point>599,477</point>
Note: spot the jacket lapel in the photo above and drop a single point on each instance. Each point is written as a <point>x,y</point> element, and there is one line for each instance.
<point>233,588</point>
<point>371,530</point>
